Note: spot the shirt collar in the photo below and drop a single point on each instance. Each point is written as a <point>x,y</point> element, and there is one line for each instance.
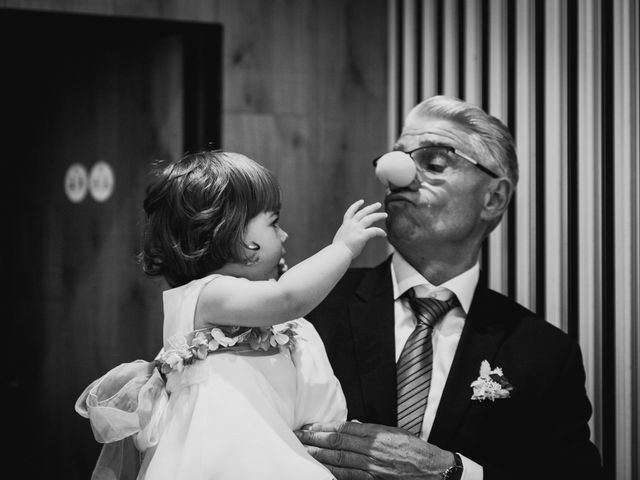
<point>405,277</point>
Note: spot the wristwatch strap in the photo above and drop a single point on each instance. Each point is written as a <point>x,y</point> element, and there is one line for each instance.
<point>454,472</point>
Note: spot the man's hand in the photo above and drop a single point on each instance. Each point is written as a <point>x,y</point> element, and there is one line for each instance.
<point>353,450</point>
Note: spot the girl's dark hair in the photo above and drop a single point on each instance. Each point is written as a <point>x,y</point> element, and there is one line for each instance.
<point>197,210</point>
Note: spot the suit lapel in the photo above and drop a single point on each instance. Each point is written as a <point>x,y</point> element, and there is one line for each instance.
<point>481,337</point>
<point>371,316</point>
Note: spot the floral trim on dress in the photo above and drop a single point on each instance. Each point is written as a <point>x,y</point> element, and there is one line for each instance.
<point>197,345</point>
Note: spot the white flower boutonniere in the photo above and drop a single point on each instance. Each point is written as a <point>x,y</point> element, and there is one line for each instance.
<point>491,384</point>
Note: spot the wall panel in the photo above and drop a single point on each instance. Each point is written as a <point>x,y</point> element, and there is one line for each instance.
<point>410,63</point>
<point>626,239</point>
<point>305,93</point>
<point>555,166</point>
<point>186,10</point>
<point>450,49</point>
<point>589,201</point>
<point>525,136</point>
<point>472,52</point>
<point>314,72</point>
<point>430,43</point>
<point>497,80</point>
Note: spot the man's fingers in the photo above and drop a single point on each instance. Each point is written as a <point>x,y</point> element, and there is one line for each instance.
<point>355,428</point>
<point>339,458</point>
<point>338,441</point>
<point>328,440</point>
<point>349,473</point>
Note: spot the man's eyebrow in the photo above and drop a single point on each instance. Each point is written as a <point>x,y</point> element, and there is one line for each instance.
<point>435,143</point>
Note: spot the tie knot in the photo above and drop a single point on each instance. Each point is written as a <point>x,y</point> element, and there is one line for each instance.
<point>429,310</point>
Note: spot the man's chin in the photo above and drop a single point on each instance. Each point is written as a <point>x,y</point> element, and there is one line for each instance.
<point>396,204</point>
<point>401,231</point>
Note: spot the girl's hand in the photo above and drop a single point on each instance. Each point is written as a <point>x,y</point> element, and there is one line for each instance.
<point>356,229</point>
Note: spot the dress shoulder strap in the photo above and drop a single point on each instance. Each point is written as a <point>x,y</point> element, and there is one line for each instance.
<point>179,306</point>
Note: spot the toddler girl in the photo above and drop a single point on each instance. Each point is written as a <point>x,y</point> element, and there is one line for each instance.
<point>239,369</point>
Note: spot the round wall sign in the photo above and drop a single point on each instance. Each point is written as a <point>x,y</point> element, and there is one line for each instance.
<point>76,182</point>
<point>101,181</point>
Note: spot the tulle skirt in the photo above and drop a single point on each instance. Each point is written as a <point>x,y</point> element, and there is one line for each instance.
<point>230,416</point>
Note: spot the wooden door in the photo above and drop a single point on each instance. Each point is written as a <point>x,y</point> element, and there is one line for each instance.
<point>80,95</point>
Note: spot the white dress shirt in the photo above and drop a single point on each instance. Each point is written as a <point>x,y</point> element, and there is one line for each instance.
<point>445,336</point>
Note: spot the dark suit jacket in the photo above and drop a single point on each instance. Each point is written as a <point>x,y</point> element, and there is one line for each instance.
<point>541,431</point>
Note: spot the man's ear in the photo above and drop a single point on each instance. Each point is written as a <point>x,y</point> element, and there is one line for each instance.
<point>496,199</point>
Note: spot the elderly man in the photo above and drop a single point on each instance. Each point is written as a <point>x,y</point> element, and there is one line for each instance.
<point>445,378</point>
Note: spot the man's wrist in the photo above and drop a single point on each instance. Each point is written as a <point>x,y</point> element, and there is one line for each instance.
<point>454,471</point>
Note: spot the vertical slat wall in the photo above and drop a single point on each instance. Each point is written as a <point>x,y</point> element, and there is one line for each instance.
<point>589,151</point>
<point>555,165</point>
<point>428,36</point>
<point>524,130</point>
<point>410,51</point>
<point>563,75</point>
<point>450,53</point>
<point>394,62</point>
<point>497,106</point>
<point>472,52</point>
<point>626,236</point>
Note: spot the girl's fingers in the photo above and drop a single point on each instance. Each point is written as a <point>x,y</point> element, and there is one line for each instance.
<point>375,232</point>
<point>367,210</point>
<point>351,211</point>
<point>373,218</point>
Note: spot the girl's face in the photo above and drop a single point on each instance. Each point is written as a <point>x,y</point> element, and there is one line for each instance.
<point>264,230</point>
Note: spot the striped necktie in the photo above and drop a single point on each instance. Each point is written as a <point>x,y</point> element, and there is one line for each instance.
<point>415,362</point>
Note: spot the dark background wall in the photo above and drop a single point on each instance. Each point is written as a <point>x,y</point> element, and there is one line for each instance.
<point>300,86</point>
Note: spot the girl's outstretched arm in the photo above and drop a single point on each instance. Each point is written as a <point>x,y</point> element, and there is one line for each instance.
<point>237,301</point>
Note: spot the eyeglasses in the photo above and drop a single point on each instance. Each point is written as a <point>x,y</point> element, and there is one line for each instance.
<point>436,159</point>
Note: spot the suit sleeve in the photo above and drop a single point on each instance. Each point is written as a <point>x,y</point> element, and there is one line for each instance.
<point>552,440</point>
<point>570,453</point>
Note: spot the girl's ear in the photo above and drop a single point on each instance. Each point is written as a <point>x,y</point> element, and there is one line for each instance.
<point>496,199</point>
<point>253,256</point>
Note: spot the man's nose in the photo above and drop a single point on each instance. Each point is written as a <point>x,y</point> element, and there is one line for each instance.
<point>283,236</point>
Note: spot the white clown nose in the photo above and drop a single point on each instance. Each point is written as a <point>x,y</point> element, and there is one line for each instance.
<point>396,168</point>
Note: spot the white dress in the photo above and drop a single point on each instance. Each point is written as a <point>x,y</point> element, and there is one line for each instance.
<point>230,415</point>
